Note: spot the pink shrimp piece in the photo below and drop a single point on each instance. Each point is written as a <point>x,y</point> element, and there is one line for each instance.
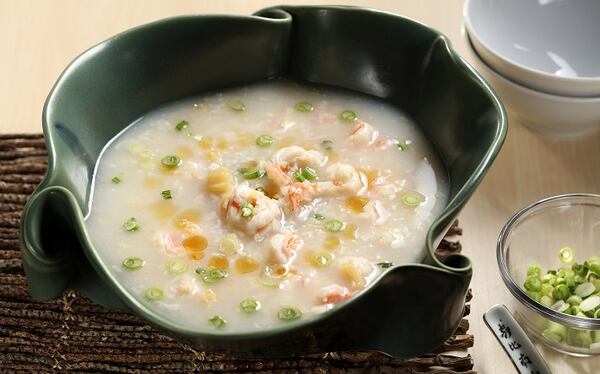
<point>277,175</point>
<point>357,127</point>
<point>285,247</point>
<point>333,294</point>
<point>169,242</point>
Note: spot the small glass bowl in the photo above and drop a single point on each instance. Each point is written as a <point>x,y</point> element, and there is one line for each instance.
<point>535,235</point>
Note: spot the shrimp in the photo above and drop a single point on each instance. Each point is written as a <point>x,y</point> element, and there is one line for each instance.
<point>285,247</point>
<point>294,194</point>
<point>186,286</point>
<point>276,175</point>
<point>363,134</point>
<point>333,294</point>
<point>169,242</point>
<point>296,156</point>
<point>343,180</point>
<point>262,213</point>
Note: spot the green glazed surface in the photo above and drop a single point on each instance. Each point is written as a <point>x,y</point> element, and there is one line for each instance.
<point>411,308</point>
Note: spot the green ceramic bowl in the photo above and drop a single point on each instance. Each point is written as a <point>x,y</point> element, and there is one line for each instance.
<point>411,308</point>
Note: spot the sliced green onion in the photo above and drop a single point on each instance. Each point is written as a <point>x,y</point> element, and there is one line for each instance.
<point>565,255</point>
<point>170,161</point>
<point>585,289</point>
<point>166,194</point>
<point>177,266</point>
<point>385,264</point>
<point>560,306</point>
<point>327,144</point>
<point>574,300</point>
<point>534,270</point>
<point>533,283</point>
<point>555,331</point>
<point>590,303</point>
<point>236,105</point>
<point>412,199</point>
<point>247,210</point>
<point>116,180</point>
<point>304,106</point>
<point>251,173</point>
<point>561,292</point>
<point>310,173</point>
<point>297,175</point>
<point>348,116</point>
<point>133,263</point>
<point>264,140</point>
<point>229,244</point>
<point>267,282</point>
<point>249,306</point>
<point>217,321</point>
<point>322,259</point>
<point>289,313</point>
<point>212,275</point>
<point>260,189</point>
<point>131,225</point>
<point>333,225</point>
<point>154,294</point>
<point>181,125</point>
<point>318,217</point>
<point>403,146</point>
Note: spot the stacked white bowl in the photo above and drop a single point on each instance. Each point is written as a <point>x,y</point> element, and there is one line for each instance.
<point>542,57</point>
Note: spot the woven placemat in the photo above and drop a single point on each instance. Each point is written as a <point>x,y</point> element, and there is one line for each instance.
<point>74,334</point>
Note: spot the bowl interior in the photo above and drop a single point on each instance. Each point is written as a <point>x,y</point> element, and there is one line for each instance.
<point>549,36</point>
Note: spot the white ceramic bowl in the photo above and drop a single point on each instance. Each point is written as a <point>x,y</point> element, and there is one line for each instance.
<point>549,45</point>
<point>544,113</point>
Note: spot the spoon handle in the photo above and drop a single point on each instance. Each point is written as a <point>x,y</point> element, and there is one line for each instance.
<point>516,343</point>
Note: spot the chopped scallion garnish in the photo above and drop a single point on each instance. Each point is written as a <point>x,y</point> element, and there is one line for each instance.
<point>304,106</point>
<point>229,244</point>
<point>170,161</point>
<point>333,225</point>
<point>131,225</point>
<point>166,194</point>
<point>348,116</point>
<point>154,294</point>
<point>236,105</point>
<point>385,264</point>
<point>289,313</point>
<point>412,199</point>
<point>247,210</point>
<point>402,145</point>
<point>177,266</point>
<point>252,173</point>
<point>297,175</point>
<point>322,259</point>
<point>310,174</point>
<point>116,180</point>
<point>181,125</point>
<point>260,189</point>
<point>264,140</point>
<point>133,263</point>
<point>565,255</point>
<point>212,275</point>
<point>249,305</point>
<point>217,321</point>
<point>318,217</point>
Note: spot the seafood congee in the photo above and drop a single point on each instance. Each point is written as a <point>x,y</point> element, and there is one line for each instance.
<point>246,209</point>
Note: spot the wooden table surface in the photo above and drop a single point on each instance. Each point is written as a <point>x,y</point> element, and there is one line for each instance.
<point>39,38</point>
